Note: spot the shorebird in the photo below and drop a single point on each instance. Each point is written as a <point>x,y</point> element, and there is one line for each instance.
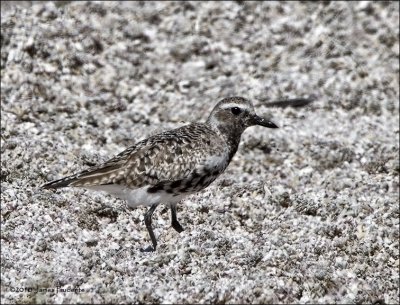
<point>166,167</point>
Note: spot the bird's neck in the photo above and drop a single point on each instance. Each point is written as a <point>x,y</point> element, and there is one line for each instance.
<point>231,135</point>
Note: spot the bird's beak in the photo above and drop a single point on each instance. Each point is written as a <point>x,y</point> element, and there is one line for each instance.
<point>256,120</point>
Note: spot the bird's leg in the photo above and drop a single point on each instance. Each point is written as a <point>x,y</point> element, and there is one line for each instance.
<point>147,221</point>
<point>174,221</point>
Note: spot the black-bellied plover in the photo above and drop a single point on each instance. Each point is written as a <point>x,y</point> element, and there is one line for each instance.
<point>166,167</point>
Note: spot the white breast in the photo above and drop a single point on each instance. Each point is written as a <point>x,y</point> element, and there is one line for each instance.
<point>217,162</point>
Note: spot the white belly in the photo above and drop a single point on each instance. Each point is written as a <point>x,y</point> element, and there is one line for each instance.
<point>138,196</point>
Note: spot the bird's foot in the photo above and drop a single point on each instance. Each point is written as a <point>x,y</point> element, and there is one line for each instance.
<point>148,249</point>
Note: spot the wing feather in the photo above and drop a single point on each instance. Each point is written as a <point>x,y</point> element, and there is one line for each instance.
<point>167,157</point>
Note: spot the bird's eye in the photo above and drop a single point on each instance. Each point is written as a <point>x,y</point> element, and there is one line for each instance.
<point>236,110</point>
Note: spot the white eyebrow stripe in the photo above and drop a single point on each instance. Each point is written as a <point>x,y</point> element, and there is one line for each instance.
<point>230,105</point>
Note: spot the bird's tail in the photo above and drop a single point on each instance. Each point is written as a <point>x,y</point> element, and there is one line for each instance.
<point>63,182</point>
<point>99,175</point>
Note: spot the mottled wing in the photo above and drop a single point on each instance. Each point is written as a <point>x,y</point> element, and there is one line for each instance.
<point>169,156</point>
<point>175,156</point>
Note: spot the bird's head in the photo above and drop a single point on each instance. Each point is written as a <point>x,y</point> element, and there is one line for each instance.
<point>236,114</point>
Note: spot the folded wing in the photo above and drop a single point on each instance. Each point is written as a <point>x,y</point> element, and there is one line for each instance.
<point>169,156</point>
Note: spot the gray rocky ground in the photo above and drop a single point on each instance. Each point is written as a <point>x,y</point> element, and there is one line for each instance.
<point>308,213</point>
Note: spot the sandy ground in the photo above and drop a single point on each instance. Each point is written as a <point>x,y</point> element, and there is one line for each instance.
<point>308,213</point>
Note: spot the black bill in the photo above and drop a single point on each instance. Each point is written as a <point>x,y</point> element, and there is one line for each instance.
<point>263,122</point>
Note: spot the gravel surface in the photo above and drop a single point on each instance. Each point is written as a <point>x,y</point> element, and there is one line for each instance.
<point>308,213</point>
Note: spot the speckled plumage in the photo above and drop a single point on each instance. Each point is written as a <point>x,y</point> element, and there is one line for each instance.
<point>165,167</point>
<point>164,161</point>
